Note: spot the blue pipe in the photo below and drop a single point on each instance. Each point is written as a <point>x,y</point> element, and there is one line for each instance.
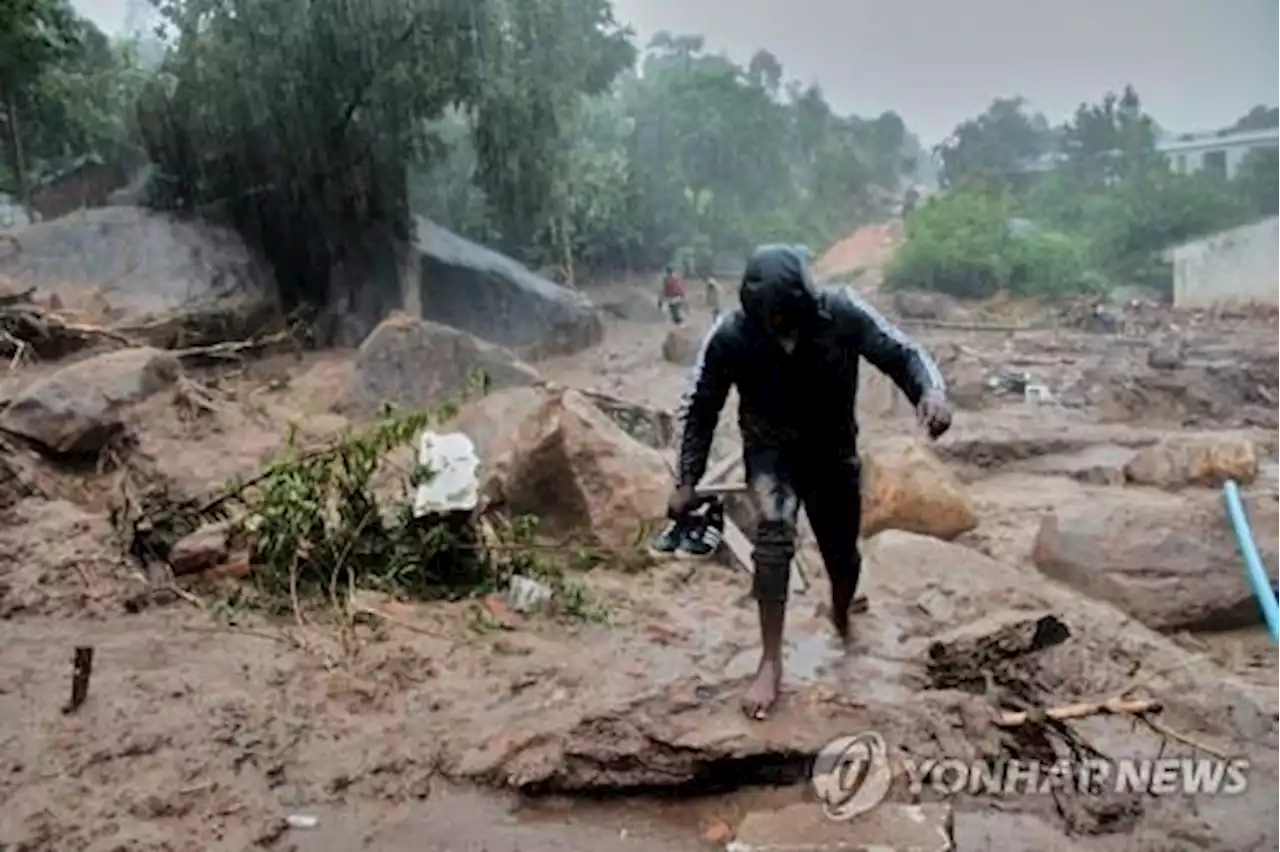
<point>1252,561</point>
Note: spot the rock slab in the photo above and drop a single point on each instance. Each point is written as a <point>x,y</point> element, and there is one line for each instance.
<point>681,345</point>
<point>488,294</point>
<point>78,409</point>
<point>1170,563</point>
<point>414,364</point>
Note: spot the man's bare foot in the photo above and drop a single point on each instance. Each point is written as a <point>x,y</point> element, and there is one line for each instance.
<point>763,692</point>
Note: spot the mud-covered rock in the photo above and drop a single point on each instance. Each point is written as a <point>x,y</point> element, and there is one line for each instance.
<point>576,470</point>
<point>414,364</point>
<point>78,409</point>
<point>650,426</point>
<point>1170,562</point>
<point>1203,460</point>
<point>906,487</point>
<point>202,550</point>
<point>470,287</point>
<point>681,345</point>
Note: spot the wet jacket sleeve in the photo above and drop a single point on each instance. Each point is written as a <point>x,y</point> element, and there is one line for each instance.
<point>704,396</point>
<point>887,348</point>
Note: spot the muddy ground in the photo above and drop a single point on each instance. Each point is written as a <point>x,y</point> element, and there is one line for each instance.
<point>436,728</point>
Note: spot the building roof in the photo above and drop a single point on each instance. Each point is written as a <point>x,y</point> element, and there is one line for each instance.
<point>1214,141</point>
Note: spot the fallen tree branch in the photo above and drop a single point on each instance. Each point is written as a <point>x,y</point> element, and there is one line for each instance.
<point>1079,710</point>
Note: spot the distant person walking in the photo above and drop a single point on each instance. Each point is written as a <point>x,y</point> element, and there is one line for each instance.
<point>672,298</point>
<point>714,296</point>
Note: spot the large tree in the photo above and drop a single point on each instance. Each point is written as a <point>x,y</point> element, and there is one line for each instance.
<point>1005,138</point>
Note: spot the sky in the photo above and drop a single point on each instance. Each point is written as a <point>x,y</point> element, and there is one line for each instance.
<point>1197,64</point>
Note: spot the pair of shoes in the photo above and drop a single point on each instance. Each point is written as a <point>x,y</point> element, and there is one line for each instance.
<point>696,536</point>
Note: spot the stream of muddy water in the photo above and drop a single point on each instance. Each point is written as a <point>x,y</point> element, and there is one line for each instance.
<point>457,819</point>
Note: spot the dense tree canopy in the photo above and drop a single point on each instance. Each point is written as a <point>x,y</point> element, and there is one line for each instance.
<point>319,127</point>
<point>1101,200</point>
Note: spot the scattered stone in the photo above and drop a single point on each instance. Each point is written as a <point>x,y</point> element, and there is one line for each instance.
<point>578,472</point>
<point>1167,356</point>
<point>803,827</point>
<point>906,487</point>
<point>1208,461</point>
<point>717,832</point>
<point>473,288</point>
<point>681,345</point>
<point>78,409</point>
<point>923,306</point>
<point>202,550</point>
<point>415,364</point>
<point>1170,563</point>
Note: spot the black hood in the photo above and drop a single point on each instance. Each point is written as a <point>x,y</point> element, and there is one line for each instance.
<point>777,282</point>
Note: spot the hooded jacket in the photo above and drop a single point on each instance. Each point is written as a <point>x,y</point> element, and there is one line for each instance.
<point>803,402</point>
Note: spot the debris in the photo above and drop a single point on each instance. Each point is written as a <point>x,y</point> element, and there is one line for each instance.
<point>890,827</point>
<point>525,594</point>
<point>1079,710</point>
<point>450,462</point>
<point>302,821</point>
<point>82,670</point>
<point>961,658</point>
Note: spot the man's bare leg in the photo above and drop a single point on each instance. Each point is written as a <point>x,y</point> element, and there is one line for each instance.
<point>763,692</point>
<point>834,507</point>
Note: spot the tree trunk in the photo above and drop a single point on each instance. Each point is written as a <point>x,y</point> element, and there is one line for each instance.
<point>17,163</point>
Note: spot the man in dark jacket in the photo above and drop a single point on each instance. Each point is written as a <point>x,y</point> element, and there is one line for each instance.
<point>792,351</point>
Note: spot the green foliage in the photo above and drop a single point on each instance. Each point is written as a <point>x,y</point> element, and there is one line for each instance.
<point>966,245</point>
<point>1105,215</point>
<point>956,244</point>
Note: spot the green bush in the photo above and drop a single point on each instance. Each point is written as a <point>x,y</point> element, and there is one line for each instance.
<point>956,244</point>
<point>962,245</point>
<point>1047,263</point>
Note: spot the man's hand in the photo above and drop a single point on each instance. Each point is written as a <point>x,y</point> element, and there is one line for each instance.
<point>934,413</point>
<point>680,502</point>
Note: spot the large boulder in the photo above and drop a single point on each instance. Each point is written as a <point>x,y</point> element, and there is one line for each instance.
<point>1203,460</point>
<point>78,409</point>
<point>476,289</point>
<point>1170,562</point>
<point>569,464</point>
<point>906,487</point>
<point>413,364</point>
<point>140,263</point>
<point>682,344</point>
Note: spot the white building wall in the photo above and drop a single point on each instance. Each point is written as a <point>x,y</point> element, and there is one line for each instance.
<point>1229,269</point>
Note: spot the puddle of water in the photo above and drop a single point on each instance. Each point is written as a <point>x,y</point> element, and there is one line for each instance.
<point>457,819</point>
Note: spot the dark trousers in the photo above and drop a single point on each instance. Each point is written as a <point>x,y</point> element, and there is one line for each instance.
<point>828,487</point>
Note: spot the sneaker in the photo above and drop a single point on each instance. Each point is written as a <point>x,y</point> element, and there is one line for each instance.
<point>668,540</point>
<point>703,535</point>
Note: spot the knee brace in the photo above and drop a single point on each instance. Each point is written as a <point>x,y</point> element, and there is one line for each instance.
<point>774,550</point>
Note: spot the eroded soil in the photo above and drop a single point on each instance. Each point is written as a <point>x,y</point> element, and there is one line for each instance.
<point>207,729</point>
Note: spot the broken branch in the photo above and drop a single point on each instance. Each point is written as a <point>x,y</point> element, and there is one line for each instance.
<point>1080,710</point>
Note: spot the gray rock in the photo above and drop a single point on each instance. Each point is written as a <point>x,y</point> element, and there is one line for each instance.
<point>77,410</point>
<point>478,290</point>
<point>414,364</point>
<point>140,262</point>
<point>1169,562</point>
